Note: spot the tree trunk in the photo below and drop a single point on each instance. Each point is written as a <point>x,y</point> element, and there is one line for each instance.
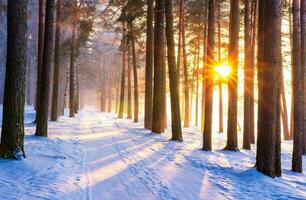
<point>40,49</point>
<point>186,81</point>
<point>232,141</point>
<point>303,60</point>
<point>252,74</point>
<point>57,54</point>
<point>179,54</point>
<point>197,80</point>
<point>220,80</point>
<point>269,40</point>
<point>136,98</point>
<point>203,71</point>
<point>149,66</point>
<point>42,116</point>
<point>122,86</point>
<point>159,69</point>
<point>174,94</point>
<point>209,63</point>
<point>12,135</point>
<point>72,80</point>
<point>129,116</point>
<point>297,89</point>
<point>247,76</point>
<point>284,112</point>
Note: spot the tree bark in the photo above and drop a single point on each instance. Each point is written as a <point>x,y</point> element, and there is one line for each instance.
<point>232,123</point>
<point>269,40</point>
<point>303,60</point>
<point>186,80</point>
<point>72,72</point>
<point>57,54</point>
<point>12,135</point>
<point>159,69</point>
<point>42,116</point>
<point>149,66</point>
<point>209,63</point>
<point>247,76</point>
<point>297,89</point>
<point>220,80</point>
<point>203,71</point>
<point>40,50</point>
<point>174,94</point>
<point>129,115</point>
<point>122,86</point>
<point>136,98</point>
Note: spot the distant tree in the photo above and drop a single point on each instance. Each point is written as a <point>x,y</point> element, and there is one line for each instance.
<point>122,86</point>
<point>129,114</point>
<point>209,83</point>
<point>232,123</point>
<point>174,91</point>
<point>12,135</point>
<point>43,110</point>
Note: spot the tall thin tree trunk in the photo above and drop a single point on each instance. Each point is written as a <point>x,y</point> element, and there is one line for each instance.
<point>12,134</point>
<point>297,89</point>
<point>41,26</point>
<point>197,82</point>
<point>247,76</point>
<point>149,66</point>
<point>252,74</point>
<point>284,112</point>
<point>55,94</point>
<point>232,123</point>
<point>269,40</point>
<point>72,72</point>
<point>303,60</point>
<point>174,94</point>
<point>136,98</point>
<point>186,80</point>
<point>203,71</point>
<point>122,86</point>
<point>129,116</point>
<point>220,80</point>
<point>179,53</point>
<point>42,116</point>
<point>159,69</point>
<point>209,63</point>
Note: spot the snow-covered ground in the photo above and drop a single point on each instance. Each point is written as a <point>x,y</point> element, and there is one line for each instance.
<point>97,156</point>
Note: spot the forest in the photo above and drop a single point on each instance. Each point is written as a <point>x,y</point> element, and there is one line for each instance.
<point>152,99</point>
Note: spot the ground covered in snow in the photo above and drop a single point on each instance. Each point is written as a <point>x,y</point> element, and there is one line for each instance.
<point>97,156</point>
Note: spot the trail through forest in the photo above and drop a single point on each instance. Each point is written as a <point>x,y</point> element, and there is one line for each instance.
<point>97,156</point>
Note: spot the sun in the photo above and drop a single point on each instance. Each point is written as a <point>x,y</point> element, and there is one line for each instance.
<point>223,70</point>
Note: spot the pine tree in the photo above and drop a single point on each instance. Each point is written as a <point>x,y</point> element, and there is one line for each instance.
<point>12,134</point>
<point>209,63</point>
<point>122,85</point>
<point>174,93</point>
<point>159,69</point>
<point>297,89</point>
<point>149,66</point>
<point>232,141</point>
<point>247,76</point>
<point>40,49</point>
<point>43,110</point>
<point>269,37</point>
<point>55,94</point>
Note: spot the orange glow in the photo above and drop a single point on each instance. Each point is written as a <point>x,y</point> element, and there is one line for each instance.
<point>223,70</point>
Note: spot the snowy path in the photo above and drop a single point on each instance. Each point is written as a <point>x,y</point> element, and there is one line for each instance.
<point>97,156</point>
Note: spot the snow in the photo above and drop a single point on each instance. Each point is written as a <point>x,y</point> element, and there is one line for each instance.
<point>97,156</point>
